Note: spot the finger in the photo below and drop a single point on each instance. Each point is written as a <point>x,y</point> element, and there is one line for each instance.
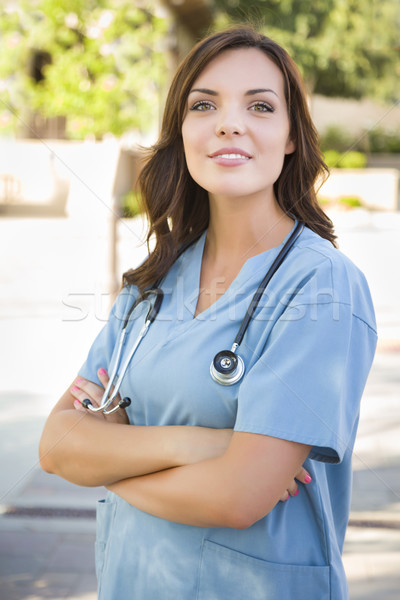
<point>91,390</point>
<point>303,476</point>
<point>293,488</point>
<point>284,497</point>
<point>103,376</point>
<point>80,395</point>
<point>78,406</point>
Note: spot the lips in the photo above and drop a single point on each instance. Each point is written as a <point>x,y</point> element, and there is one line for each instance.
<point>231,154</point>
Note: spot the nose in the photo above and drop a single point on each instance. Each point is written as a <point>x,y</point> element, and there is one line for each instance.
<point>229,123</point>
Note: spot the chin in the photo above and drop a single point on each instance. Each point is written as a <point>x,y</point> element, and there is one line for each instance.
<point>232,188</point>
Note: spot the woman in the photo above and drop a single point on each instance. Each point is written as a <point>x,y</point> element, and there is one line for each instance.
<point>196,476</point>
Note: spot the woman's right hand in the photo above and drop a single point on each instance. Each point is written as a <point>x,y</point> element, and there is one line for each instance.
<point>82,389</point>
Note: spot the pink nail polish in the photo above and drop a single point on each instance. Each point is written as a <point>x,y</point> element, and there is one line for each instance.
<point>77,404</point>
<point>102,372</point>
<point>296,492</point>
<point>307,479</point>
<point>75,388</point>
<point>78,380</point>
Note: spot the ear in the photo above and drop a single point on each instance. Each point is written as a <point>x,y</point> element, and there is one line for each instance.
<point>290,146</point>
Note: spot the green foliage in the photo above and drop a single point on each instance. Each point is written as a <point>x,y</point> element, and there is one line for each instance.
<point>352,160</point>
<point>346,160</point>
<point>346,48</point>
<point>103,64</point>
<point>335,138</point>
<point>351,201</point>
<point>343,201</point>
<point>380,140</point>
<point>131,205</point>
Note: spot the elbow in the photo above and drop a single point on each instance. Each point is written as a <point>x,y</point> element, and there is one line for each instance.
<point>46,455</point>
<point>55,450</point>
<point>46,465</point>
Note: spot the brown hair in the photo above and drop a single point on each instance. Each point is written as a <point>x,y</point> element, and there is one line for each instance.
<point>176,206</point>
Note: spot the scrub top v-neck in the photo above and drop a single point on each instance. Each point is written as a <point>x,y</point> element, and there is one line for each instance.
<point>307,354</point>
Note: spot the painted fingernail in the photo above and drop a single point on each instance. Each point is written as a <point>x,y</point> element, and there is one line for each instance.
<point>296,492</point>
<point>75,388</point>
<point>102,372</point>
<point>307,479</point>
<point>77,404</point>
<point>78,380</point>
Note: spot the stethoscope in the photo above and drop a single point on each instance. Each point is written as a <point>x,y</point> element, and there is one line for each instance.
<point>227,367</point>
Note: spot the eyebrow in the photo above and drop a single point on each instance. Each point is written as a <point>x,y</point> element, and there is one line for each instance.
<point>248,93</point>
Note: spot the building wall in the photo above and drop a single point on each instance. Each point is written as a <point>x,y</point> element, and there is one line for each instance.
<point>353,116</point>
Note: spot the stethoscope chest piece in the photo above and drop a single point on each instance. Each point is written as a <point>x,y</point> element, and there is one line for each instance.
<point>227,368</point>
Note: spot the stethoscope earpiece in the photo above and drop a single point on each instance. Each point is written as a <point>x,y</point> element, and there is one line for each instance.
<point>123,403</point>
<point>227,368</point>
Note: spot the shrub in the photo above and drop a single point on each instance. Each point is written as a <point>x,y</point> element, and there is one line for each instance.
<point>351,201</point>
<point>347,160</point>
<point>353,160</point>
<point>335,138</point>
<point>130,204</point>
<point>331,157</point>
<point>380,140</point>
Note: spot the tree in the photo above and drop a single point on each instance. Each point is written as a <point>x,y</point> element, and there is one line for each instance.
<point>100,63</point>
<point>347,48</point>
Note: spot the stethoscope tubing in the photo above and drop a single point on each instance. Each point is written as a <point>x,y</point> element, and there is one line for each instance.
<point>262,287</point>
<point>217,374</point>
<point>116,380</point>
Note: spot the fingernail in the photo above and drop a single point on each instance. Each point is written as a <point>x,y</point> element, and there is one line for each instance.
<point>102,372</point>
<point>77,404</point>
<point>286,499</point>
<point>78,380</point>
<point>307,479</point>
<point>75,388</point>
<point>296,492</point>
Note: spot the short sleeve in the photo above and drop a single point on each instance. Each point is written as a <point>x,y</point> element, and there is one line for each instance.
<point>307,384</point>
<point>102,349</point>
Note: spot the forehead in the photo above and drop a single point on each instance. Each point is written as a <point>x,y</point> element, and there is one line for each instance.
<point>242,68</point>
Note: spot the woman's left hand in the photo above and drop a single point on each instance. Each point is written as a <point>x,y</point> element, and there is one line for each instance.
<point>82,389</point>
<point>304,477</point>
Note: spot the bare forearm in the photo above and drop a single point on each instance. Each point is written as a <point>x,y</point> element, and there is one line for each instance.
<point>88,451</point>
<point>192,495</point>
<point>233,490</point>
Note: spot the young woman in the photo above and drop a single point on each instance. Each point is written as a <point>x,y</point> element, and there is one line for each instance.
<point>197,465</point>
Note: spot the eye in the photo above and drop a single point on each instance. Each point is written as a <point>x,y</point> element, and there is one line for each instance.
<point>202,106</point>
<point>262,107</point>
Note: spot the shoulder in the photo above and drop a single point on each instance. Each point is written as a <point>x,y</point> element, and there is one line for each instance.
<point>325,275</point>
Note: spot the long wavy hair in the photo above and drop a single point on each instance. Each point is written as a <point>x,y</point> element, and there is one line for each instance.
<point>176,207</point>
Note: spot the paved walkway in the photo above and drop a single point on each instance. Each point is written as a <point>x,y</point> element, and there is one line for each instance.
<point>53,304</point>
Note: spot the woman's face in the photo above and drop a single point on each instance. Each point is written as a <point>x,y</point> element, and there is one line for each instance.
<point>236,128</point>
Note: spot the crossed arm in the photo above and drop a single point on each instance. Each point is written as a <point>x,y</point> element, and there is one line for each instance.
<point>192,475</point>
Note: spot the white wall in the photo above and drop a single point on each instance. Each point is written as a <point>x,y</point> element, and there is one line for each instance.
<point>354,116</point>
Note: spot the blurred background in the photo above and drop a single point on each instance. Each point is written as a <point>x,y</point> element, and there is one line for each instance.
<point>82,88</point>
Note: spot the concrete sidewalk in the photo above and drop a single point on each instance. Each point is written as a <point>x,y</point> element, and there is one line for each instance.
<point>49,306</point>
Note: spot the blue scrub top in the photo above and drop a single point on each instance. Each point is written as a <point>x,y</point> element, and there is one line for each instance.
<point>307,354</point>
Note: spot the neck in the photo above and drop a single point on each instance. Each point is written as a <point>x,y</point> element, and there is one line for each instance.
<point>241,229</point>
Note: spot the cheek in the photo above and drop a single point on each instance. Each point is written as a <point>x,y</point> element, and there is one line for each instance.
<point>192,145</point>
<point>187,138</point>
